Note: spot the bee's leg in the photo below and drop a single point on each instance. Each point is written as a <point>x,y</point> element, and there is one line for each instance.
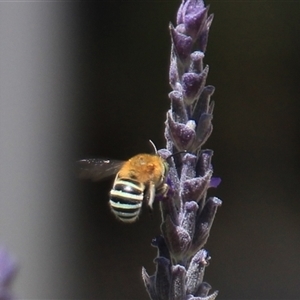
<point>151,195</point>
<point>164,190</point>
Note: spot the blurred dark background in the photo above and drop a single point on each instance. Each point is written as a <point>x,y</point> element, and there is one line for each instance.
<point>253,54</point>
<point>119,57</point>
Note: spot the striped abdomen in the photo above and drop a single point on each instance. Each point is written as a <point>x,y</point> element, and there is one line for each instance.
<point>126,199</point>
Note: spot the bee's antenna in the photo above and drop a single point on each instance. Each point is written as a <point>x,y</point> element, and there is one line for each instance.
<point>176,153</point>
<point>154,147</point>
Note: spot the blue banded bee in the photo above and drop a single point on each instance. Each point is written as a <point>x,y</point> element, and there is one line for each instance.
<point>137,180</point>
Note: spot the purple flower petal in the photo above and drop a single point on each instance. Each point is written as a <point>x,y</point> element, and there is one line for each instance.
<point>194,189</point>
<point>8,268</point>
<point>214,182</point>
<point>179,18</point>
<point>182,135</point>
<point>178,107</point>
<point>189,162</point>
<point>178,291</point>
<point>195,271</point>
<point>193,84</point>
<point>204,222</point>
<point>203,104</point>
<point>204,130</point>
<point>149,284</point>
<point>203,289</point>
<point>173,71</point>
<point>162,277</point>
<point>177,239</point>
<point>160,244</point>
<point>182,45</point>
<point>188,8</point>
<point>172,180</point>
<point>188,219</point>
<point>196,62</point>
<point>203,34</point>
<point>168,209</point>
<point>195,21</point>
<point>204,162</point>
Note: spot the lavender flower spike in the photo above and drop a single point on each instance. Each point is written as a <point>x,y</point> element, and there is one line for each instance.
<point>187,214</point>
<point>8,269</point>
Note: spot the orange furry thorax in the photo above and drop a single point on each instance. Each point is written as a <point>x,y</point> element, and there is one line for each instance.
<point>144,168</point>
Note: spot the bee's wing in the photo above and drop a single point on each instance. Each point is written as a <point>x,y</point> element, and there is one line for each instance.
<point>97,168</point>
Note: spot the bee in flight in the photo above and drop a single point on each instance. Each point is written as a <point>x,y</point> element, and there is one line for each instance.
<point>137,180</point>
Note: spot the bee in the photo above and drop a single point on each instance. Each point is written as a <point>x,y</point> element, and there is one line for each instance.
<point>139,179</point>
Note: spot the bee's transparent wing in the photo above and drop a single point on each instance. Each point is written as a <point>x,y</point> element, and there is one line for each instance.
<point>97,169</point>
